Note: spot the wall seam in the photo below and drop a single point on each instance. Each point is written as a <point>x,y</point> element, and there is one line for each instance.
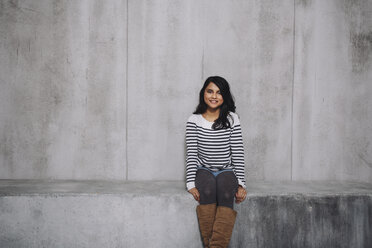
<point>202,79</point>
<point>126,97</point>
<point>293,79</point>
<point>204,40</point>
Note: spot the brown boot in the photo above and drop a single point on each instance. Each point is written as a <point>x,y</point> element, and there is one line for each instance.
<point>206,214</point>
<point>223,227</point>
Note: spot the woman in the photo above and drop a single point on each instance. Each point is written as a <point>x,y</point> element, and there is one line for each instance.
<point>215,161</point>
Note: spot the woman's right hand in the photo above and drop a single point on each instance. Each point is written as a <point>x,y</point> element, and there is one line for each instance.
<point>195,194</point>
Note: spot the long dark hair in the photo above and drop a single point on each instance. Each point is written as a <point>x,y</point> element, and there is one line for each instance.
<point>227,106</point>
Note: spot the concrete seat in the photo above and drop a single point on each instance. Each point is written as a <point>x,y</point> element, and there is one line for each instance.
<point>66,213</point>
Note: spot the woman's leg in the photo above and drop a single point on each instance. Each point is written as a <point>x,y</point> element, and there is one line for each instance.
<point>227,186</point>
<point>206,211</point>
<point>205,182</point>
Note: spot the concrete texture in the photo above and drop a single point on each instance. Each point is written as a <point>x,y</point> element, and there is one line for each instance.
<point>164,75</point>
<point>341,221</point>
<point>251,44</point>
<point>332,121</point>
<point>161,214</point>
<point>93,90</point>
<point>169,59</point>
<point>99,215</point>
<point>63,94</point>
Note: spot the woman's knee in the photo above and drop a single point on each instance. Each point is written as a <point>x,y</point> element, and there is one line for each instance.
<point>227,185</point>
<point>208,192</point>
<point>206,185</point>
<point>226,195</point>
<point>227,181</point>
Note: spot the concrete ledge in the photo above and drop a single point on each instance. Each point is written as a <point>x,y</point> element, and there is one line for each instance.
<point>69,213</point>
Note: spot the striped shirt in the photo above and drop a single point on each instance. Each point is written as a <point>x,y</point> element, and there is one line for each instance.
<point>213,149</point>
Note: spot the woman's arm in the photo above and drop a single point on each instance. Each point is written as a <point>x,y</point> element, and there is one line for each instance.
<point>192,154</point>
<point>237,152</point>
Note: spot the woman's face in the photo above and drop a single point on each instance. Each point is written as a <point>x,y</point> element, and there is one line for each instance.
<point>212,96</point>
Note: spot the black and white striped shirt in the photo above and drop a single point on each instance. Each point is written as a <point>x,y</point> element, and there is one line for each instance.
<point>214,149</point>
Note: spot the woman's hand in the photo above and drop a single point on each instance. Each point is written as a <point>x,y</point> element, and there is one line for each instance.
<point>240,194</point>
<point>195,194</point>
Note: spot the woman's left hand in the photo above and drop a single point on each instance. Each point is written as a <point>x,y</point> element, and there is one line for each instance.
<point>240,194</point>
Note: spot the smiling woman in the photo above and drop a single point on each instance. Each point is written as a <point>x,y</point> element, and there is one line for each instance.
<point>213,97</point>
<point>215,161</point>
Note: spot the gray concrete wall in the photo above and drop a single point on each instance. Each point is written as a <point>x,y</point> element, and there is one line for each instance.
<point>93,90</point>
<point>165,52</point>
<point>63,94</point>
<point>251,44</point>
<point>162,214</point>
<point>332,120</point>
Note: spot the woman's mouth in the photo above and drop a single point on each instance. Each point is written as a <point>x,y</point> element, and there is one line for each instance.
<point>213,101</point>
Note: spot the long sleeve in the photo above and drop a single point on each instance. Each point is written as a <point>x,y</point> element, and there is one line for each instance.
<point>192,154</point>
<point>237,152</point>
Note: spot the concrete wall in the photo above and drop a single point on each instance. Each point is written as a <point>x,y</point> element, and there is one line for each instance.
<point>162,214</point>
<point>332,108</point>
<point>63,103</point>
<point>252,47</point>
<point>93,90</point>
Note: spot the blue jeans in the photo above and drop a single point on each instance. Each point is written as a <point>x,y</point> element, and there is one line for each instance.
<point>215,173</point>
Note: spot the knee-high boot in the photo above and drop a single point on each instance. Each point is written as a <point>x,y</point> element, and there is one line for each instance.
<point>222,227</point>
<point>206,214</point>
